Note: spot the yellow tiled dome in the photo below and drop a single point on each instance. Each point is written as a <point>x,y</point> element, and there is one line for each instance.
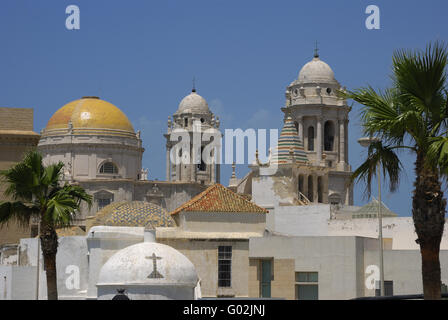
<point>89,115</point>
<point>134,214</point>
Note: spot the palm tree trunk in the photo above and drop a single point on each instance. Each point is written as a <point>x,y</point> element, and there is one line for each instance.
<point>428,212</point>
<point>49,243</point>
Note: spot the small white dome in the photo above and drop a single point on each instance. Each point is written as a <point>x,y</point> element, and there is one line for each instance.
<point>148,264</point>
<point>193,103</point>
<point>316,71</point>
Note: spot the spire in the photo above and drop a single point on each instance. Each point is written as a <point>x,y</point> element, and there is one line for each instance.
<point>316,51</point>
<point>194,85</point>
<point>289,145</point>
<point>233,170</point>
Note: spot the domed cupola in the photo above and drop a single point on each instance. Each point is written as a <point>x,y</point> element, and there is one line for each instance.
<point>148,271</point>
<point>89,116</point>
<point>94,139</point>
<point>316,71</point>
<point>194,104</point>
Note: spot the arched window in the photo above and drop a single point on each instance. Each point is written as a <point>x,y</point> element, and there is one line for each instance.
<point>334,199</point>
<point>109,168</point>
<point>328,136</point>
<point>311,138</point>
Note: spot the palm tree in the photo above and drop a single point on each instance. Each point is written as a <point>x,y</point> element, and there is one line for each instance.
<point>37,191</point>
<point>413,114</point>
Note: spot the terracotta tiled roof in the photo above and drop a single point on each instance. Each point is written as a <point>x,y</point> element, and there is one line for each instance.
<point>218,198</point>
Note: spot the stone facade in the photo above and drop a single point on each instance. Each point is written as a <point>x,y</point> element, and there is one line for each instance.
<point>16,138</point>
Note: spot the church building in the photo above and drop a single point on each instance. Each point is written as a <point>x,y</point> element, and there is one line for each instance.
<point>288,229</point>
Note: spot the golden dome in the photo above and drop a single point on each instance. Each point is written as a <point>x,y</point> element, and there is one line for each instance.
<point>89,115</point>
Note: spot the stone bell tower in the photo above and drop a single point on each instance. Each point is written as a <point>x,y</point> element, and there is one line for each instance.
<point>193,115</point>
<point>321,119</point>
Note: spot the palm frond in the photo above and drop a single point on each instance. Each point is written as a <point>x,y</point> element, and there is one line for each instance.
<point>379,154</point>
<point>16,211</point>
<point>420,78</point>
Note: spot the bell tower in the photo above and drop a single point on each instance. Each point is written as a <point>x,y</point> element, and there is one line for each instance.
<point>193,117</point>
<point>320,116</point>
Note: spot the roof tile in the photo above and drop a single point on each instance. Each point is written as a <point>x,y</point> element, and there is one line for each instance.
<point>218,198</point>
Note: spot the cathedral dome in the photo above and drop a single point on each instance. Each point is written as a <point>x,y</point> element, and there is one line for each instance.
<point>316,71</point>
<point>89,115</point>
<point>193,103</point>
<point>133,214</point>
<point>148,264</point>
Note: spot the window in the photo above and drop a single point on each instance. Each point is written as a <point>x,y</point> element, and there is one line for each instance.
<point>186,122</point>
<point>310,138</point>
<point>266,278</point>
<point>388,288</point>
<point>328,136</point>
<point>109,168</point>
<point>202,166</point>
<point>444,288</point>
<point>307,286</point>
<point>224,266</point>
<point>103,202</point>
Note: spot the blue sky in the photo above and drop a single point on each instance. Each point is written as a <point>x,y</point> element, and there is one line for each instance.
<point>142,55</point>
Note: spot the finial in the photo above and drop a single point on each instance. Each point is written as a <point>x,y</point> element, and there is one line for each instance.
<point>233,170</point>
<point>316,49</point>
<point>194,85</point>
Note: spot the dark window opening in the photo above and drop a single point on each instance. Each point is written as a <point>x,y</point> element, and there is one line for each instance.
<point>202,166</point>
<point>310,188</point>
<point>103,203</point>
<point>224,266</point>
<point>311,138</point>
<point>328,136</point>
<point>319,190</point>
<point>307,287</point>
<point>388,288</point>
<point>109,168</point>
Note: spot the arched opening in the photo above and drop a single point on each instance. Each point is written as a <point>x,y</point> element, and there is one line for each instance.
<point>319,189</point>
<point>109,168</point>
<point>310,188</point>
<point>103,198</point>
<point>328,136</point>
<point>296,124</point>
<point>334,199</point>
<point>202,166</point>
<point>301,184</point>
<point>186,122</point>
<point>311,138</point>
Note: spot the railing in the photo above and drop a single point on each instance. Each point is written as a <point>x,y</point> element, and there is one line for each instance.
<point>303,199</point>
